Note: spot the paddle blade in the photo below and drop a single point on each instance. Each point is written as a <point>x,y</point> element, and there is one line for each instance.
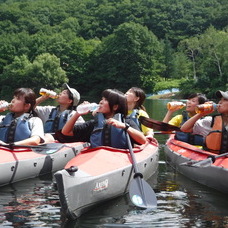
<point>141,193</point>
<point>157,125</point>
<point>199,164</point>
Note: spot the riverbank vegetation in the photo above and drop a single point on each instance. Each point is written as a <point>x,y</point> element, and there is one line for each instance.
<point>98,44</point>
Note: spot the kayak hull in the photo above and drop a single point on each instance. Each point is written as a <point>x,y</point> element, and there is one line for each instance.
<point>22,163</point>
<point>102,174</point>
<point>214,176</point>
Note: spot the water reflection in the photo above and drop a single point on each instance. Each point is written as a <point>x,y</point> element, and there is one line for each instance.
<point>29,203</point>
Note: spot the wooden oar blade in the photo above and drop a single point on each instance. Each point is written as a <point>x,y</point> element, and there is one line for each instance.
<point>141,193</point>
<point>157,125</point>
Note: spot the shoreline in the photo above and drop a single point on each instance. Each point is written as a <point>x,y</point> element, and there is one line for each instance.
<point>171,95</point>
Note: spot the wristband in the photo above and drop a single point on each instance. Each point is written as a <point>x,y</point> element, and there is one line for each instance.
<point>126,126</point>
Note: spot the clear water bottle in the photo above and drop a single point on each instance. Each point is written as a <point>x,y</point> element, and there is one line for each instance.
<point>5,105</point>
<point>175,104</point>
<point>206,107</point>
<point>90,107</point>
<point>49,93</point>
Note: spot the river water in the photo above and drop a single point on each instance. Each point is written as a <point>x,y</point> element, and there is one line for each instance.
<point>181,202</point>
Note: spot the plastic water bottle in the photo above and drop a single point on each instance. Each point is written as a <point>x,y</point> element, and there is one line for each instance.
<point>49,93</point>
<point>175,104</point>
<point>207,107</point>
<point>83,108</point>
<point>5,105</point>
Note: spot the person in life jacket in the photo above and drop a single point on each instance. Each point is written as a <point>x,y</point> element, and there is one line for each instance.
<point>213,128</point>
<point>108,128</point>
<point>178,120</point>
<point>135,99</point>
<point>53,117</point>
<point>20,126</point>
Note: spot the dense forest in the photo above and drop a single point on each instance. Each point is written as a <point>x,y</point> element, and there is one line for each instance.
<point>99,44</point>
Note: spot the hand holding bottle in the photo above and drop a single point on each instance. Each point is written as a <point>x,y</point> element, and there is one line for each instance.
<point>175,105</point>
<point>48,93</point>
<point>4,105</point>
<point>87,107</point>
<point>206,108</point>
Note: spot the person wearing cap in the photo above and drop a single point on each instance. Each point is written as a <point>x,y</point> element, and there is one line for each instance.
<point>108,127</point>
<point>213,128</point>
<point>54,118</point>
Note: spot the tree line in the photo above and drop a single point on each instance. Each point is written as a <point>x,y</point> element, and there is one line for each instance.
<point>99,44</point>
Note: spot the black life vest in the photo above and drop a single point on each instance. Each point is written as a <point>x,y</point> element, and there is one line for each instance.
<point>188,137</point>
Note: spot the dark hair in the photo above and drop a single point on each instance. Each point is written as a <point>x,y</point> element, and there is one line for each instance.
<point>28,95</point>
<point>201,97</point>
<point>116,97</point>
<point>142,96</point>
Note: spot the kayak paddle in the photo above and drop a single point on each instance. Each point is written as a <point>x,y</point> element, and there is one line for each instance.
<point>141,193</point>
<point>204,163</point>
<point>157,125</point>
<point>47,148</point>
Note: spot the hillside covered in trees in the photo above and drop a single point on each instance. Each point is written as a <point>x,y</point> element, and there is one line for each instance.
<point>99,44</point>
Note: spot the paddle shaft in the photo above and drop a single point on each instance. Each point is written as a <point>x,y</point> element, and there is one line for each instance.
<point>164,132</point>
<point>211,157</point>
<point>132,154</point>
<point>43,146</point>
<point>11,146</point>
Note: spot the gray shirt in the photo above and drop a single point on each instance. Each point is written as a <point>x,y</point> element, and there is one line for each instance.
<point>202,126</point>
<point>44,111</point>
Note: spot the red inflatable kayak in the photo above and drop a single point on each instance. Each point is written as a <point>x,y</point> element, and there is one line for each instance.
<point>97,175</point>
<point>20,163</point>
<point>199,165</point>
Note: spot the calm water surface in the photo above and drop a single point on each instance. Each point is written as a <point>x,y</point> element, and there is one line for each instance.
<point>181,202</point>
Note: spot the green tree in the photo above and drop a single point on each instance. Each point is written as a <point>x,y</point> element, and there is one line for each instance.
<point>130,56</point>
<point>181,66</point>
<point>192,49</point>
<point>45,71</point>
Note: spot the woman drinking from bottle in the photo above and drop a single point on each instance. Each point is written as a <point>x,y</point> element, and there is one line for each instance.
<point>53,117</point>
<point>20,126</point>
<point>109,126</point>
<point>213,128</point>
<point>178,120</point>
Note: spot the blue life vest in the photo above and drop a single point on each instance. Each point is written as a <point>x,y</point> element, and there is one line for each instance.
<point>15,129</point>
<point>56,121</point>
<point>107,135</point>
<point>134,116</point>
<point>188,137</point>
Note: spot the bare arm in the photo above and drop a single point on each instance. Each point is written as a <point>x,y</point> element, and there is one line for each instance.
<point>189,124</point>
<point>168,116</point>
<point>32,141</point>
<point>69,126</point>
<point>41,99</point>
<point>136,135</point>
